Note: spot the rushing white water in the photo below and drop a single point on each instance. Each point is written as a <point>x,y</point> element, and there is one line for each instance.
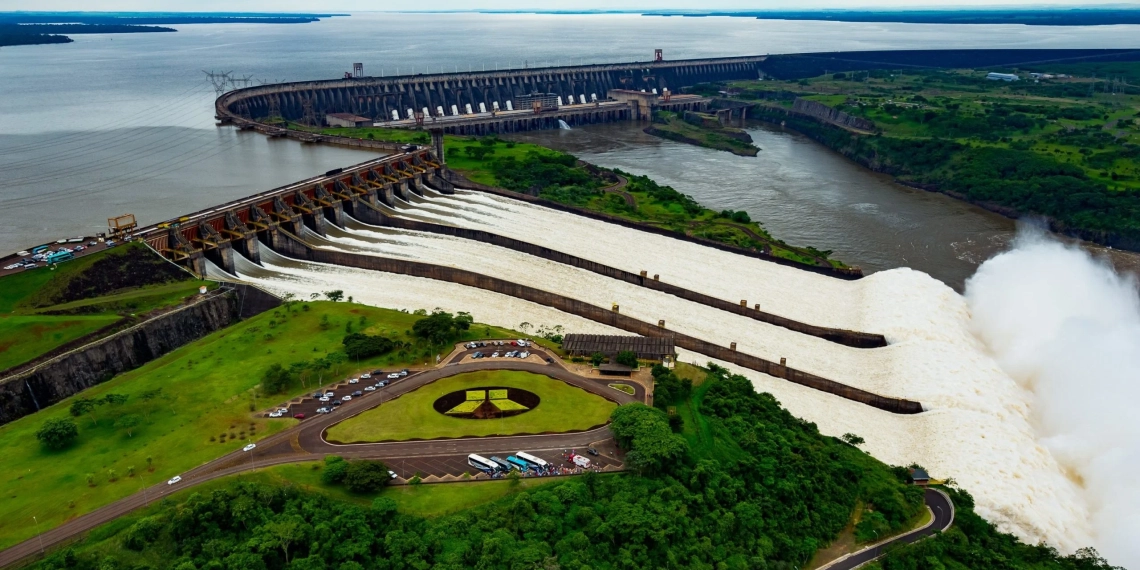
<point>563,125</point>
<point>979,428</point>
<point>1067,328</point>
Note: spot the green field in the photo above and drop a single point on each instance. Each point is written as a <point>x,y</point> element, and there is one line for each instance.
<point>425,500</point>
<point>27,330</point>
<point>209,388</point>
<point>411,416</point>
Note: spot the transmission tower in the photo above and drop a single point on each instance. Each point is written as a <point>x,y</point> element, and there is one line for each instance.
<point>219,80</point>
<point>274,109</point>
<point>308,118</point>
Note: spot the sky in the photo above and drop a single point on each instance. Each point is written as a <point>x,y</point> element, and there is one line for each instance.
<point>388,5</point>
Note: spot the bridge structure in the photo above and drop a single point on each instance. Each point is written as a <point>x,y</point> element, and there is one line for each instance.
<point>486,101</point>
<point>241,226</point>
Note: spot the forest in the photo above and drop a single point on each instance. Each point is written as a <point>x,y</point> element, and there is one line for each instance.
<point>739,483</point>
<point>1067,150</point>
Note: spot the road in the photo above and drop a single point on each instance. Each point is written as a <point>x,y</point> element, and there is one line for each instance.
<point>938,503</point>
<point>305,442</point>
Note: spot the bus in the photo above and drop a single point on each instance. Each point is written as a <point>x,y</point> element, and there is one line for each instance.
<point>59,257</point>
<point>518,463</point>
<point>536,461</point>
<point>482,463</point>
<point>503,465</point>
<point>39,249</point>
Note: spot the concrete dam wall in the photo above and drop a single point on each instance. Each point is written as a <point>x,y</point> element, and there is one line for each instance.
<point>377,97</point>
<point>73,372</point>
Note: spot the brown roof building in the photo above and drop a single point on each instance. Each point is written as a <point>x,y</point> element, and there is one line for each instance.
<point>646,348</point>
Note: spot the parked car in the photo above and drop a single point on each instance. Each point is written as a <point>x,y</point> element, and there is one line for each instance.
<point>329,394</point>
<point>549,359</point>
<point>249,447</point>
<point>79,248</point>
<point>317,394</point>
<point>591,451</point>
<point>524,355</point>
<point>377,372</point>
<point>174,480</point>
<point>346,398</point>
<point>92,243</point>
<point>323,399</point>
<point>358,393</point>
<point>381,383</point>
<point>393,375</point>
<point>369,388</point>
<point>477,355</point>
<point>283,410</point>
<point>336,403</point>
<point>403,372</point>
<point>365,376</point>
<point>495,355</point>
<point>392,474</point>
<point>23,253</point>
<point>323,410</point>
<point>353,380</point>
<point>298,416</point>
<point>275,414</point>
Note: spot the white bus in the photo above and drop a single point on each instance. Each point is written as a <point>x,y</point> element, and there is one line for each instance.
<point>482,463</point>
<point>536,461</point>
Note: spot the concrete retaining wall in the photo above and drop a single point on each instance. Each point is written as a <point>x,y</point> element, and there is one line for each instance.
<point>597,314</point>
<point>844,337</point>
<point>460,181</point>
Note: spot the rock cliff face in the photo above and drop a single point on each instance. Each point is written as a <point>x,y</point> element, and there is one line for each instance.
<point>55,380</point>
<point>818,110</point>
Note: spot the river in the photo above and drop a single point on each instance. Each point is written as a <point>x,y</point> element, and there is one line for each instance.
<point>807,195</point>
<point>114,124</point>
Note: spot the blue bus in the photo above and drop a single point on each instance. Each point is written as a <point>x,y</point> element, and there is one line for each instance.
<point>39,249</point>
<point>503,465</point>
<point>59,257</point>
<point>518,463</point>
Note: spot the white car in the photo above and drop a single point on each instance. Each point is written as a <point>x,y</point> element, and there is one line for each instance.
<point>365,376</point>
<point>23,253</point>
<point>353,380</point>
<point>346,398</point>
<point>329,394</point>
<point>79,248</point>
<point>323,399</point>
<point>392,474</point>
<point>323,410</point>
<point>496,355</point>
<point>283,410</point>
<point>275,414</point>
<point>369,388</point>
<point>393,375</point>
<point>524,355</point>
<point>249,447</point>
<point>174,480</point>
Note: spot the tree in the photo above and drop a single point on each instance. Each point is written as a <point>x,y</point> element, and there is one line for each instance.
<point>360,345</point>
<point>275,378</point>
<point>627,358</point>
<point>335,469</point>
<point>113,399</point>
<point>335,295</point>
<point>282,532</point>
<point>597,358</point>
<point>128,423</point>
<point>441,327</point>
<point>57,433</point>
<point>81,406</point>
<point>365,476</point>
<point>853,439</point>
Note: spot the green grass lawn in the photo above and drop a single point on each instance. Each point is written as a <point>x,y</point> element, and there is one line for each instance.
<point>562,408</point>
<point>24,337</point>
<point>26,331</point>
<point>208,388</point>
<point>423,500</point>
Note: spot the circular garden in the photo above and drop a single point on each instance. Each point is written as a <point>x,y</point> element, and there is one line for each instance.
<point>515,402</point>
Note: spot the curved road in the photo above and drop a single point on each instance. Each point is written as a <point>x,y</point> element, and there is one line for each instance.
<point>305,442</point>
<point>939,504</point>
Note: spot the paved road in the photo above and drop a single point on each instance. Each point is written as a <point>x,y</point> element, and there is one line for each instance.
<point>938,503</point>
<point>305,442</point>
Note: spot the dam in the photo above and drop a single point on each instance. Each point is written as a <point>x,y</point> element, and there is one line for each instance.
<point>488,101</point>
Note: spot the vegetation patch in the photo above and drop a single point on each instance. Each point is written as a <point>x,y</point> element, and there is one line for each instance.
<point>422,414</point>
<point>701,130</point>
<point>623,388</point>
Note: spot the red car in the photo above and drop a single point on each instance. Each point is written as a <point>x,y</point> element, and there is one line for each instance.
<point>299,417</point>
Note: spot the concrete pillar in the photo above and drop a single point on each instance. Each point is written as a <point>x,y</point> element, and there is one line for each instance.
<point>643,273</point>
<point>744,303</point>
<point>757,306</point>
<point>783,361</point>
<point>418,184</point>
<point>197,264</point>
<point>248,246</point>
<point>388,196</point>
<point>732,346</point>
<point>335,213</point>
<point>437,145</point>
<point>223,257</point>
<point>616,308</point>
<point>315,221</point>
<point>661,323</point>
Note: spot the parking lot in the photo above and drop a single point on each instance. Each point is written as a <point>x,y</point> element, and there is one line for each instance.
<point>8,261</point>
<point>310,403</point>
<point>441,465</point>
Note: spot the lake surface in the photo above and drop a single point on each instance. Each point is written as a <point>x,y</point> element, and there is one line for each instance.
<point>115,124</point>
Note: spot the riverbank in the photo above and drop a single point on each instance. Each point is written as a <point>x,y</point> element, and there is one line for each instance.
<point>1065,150</point>
<point>701,129</point>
